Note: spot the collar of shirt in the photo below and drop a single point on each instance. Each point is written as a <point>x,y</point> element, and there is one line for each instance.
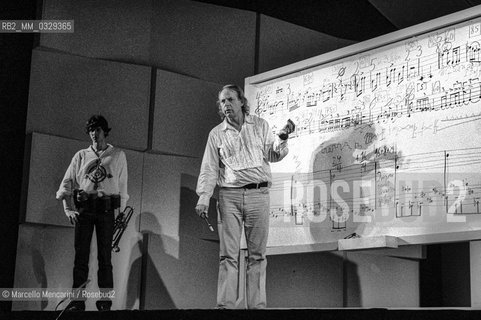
<point>98,154</point>
<point>226,125</point>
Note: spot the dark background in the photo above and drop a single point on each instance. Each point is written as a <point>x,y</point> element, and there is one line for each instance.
<point>356,20</point>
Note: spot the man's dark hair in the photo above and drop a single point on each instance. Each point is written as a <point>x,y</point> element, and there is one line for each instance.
<point>96,121</point>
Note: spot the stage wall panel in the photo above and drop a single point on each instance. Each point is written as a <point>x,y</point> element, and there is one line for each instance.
<point>65,90</point>
<point>185,112</point>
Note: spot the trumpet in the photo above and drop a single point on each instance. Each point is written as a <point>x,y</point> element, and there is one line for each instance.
<point>120,225</point>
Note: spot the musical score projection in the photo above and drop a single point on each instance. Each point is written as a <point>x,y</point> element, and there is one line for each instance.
<point>387,140</point>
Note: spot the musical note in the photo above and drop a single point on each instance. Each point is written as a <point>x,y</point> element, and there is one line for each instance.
<point>375,80</point>
<point>390,75</point>
<point>472,51</point>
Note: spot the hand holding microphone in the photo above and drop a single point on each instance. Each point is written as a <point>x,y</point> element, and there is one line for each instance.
<point>287,130</point>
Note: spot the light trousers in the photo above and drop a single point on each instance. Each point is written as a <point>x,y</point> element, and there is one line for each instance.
<point>249,209</point>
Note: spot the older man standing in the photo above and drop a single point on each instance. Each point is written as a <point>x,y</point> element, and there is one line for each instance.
<point>236,158</point>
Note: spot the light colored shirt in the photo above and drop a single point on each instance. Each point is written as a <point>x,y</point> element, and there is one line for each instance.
<point>104,172</point>
<point>235,158</point>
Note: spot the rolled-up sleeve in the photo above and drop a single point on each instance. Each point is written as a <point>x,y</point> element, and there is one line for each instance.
<point>275,149</point>
<point>69,181</point>
<point>209,171</point>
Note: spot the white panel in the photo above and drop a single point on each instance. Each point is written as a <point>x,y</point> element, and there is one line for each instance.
<point>188,281</point>
<point>185,112</point>
<point>66,90</point>
<point>169,199</point>
<point>45,256</point>
<point>308,280</point>
<point>387,141</point>
<point>50,157</point>
<point>209,42</point>
<point>184,36</point>
<point>110,29</point>
<point>377,281</point>
<point>181,267</point>
<point>44,260</point>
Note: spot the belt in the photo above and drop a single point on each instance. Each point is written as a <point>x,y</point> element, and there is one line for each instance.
<point>251,186</point>
<point>92,202</point>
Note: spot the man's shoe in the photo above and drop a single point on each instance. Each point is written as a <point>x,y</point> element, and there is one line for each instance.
<point>74,306</point>
<point>103,305</point>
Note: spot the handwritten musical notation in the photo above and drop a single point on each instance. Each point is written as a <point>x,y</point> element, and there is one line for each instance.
<point>390,133</point>
<point>432,74</point>
<point>414,185</point>
<point>403,105</point>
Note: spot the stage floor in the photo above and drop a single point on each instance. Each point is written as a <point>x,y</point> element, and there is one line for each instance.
<point>277,314</point>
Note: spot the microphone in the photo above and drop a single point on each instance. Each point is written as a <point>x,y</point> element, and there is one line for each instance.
<point>203,216</point>
<point>287,129</point>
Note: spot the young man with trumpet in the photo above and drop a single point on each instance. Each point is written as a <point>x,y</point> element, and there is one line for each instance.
<point>93,191</point>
